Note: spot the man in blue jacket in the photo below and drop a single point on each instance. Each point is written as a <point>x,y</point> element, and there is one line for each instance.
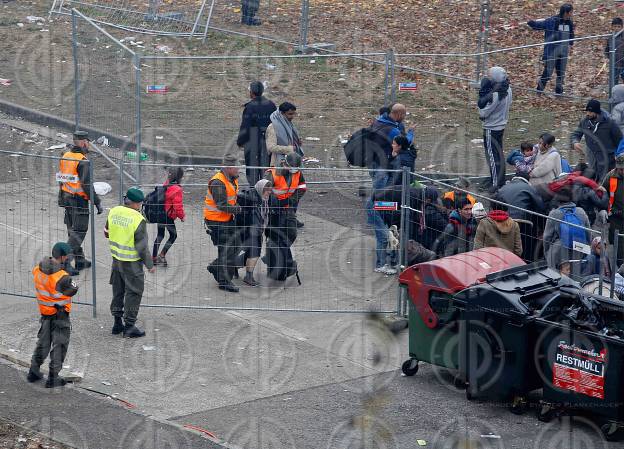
<point>556,29</point>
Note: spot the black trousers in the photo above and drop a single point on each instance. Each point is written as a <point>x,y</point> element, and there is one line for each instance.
<point>173,235</point>
<point>250,7</point>
<point>255,156</point>
<point>225,237</point>
<point>52,339</point>
<point>77,222</point>
<point>128,281</point>
<point>493,144</point>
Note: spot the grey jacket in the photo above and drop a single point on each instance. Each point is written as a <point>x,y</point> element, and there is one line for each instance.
<point>495,115</point>
<point>617,113</point>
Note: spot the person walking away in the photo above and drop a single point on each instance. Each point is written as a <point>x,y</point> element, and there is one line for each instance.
<point>495,98</point>
<point>547,165</point>
<point>498,230</point>
<point>558,38</point>
<point>75,180</point>
<point>219,210</point>
<point>251,222</point>
<point>174,209</point>
<point>54,289</point>
<point>249,9</point>
<point>252,133</point>
<point>459,233</point>
<point>602,137</point>
<point>617,112</point>
<point>617,26</point>
<point>289,186</point>
<point>518,192</point>
<point>566,227</point>
<point>126,231</point>
<point>614,184</point>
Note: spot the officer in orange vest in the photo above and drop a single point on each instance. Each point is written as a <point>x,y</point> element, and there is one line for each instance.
<point>74,187</point>
<point>54,289</point>
<point>219,210</point>
<point>614,184</point>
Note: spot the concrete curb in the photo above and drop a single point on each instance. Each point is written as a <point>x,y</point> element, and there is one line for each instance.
<point>13,357</point>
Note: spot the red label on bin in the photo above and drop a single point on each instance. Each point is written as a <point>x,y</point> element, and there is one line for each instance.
<point>579,370</point>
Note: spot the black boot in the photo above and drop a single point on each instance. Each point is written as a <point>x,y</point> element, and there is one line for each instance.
<point>54,380</point>
<point>82,263</point>
<point>131,331</point>
<point>34,375</point>
<point>249,279</point>
<point>70,270</point>
<point>229,287</point>
<point>118,326</point>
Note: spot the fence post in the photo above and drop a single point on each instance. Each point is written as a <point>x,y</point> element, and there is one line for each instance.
<point>403,235</point>
<point>392,79</point>
<point>137,102</point>
<point>603,260</point>
<point>387,77</point>
<point>614,265</point>
<point>93,254</point>
<point>121,177</point>
<point>76,71</point>
<point>303,27</point>
<point>612,62</point>
<point>481,60</point>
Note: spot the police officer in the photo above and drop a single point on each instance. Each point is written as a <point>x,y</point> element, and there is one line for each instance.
<point>126,231</point>
<point>219,210</point>
<point>75,181</point>
<point>252,133</point>
<point>54,289</point>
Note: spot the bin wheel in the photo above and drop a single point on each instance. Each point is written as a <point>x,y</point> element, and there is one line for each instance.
<point>611,431</point>
<point>469,395</point>
<point>459,383</point>
<point>545,413</point>
<point>518,405</point>
<point>410,367</point>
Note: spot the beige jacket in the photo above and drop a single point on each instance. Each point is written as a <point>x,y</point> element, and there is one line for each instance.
<point>273,148</point>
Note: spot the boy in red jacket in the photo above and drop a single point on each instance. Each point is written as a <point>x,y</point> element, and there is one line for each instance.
<point>174,206</point>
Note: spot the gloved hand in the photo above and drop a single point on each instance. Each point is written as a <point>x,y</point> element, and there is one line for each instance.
<point>99,208</point>
<point>602,217</point>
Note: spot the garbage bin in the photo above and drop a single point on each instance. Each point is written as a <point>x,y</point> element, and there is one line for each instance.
<point>434,318</point>
<point>581,348</point>
<point>498,333</point>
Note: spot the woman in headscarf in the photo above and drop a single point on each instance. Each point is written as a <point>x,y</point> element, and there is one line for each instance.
<point>251,222</point>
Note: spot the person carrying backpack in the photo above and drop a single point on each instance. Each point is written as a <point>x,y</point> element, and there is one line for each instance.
<point>173,209</point>
<point>567,225</point>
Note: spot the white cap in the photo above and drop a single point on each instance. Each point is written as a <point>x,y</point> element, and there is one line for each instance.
<point>478,211</point>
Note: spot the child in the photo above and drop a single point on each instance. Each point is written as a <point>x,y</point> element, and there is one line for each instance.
<point>523,159</point>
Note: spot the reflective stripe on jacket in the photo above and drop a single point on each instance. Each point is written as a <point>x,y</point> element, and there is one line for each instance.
<point>68,174</point>
<point>47,295</point>
<point>281,189</point>
<point>122,224</point>
<point>211,211</point>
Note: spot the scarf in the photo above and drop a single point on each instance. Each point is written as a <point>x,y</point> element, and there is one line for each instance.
<point>286,132</point>
<point>264,204</point>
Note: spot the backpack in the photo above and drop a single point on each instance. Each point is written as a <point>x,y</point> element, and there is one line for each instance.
<point>154,206</point>
<point>365,147</point>
<point>570,234</point>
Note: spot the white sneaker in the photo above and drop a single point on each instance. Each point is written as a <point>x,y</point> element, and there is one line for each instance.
<point>380,270</point>
<point>390,270</point>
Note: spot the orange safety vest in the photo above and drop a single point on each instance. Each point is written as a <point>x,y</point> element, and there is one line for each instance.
<point>613,185</point>
<point>211,212</point>
<point>68,174</point>
<point>281,189</point>
<point>451,196</point>
<point>47,295</point>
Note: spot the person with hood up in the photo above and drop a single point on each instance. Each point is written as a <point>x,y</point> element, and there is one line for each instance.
<point>602,137</point>
<point>499,230</point>
<point>282,137</point>
<point>174,208</point>
<point>458,235</point>
<point>495,98</point>
<point>617,112</point>
<point>547,165</point>
<point>254,203</point>
<point>558,38</point>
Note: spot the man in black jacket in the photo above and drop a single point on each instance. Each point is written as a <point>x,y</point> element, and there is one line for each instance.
<point>251,137</point>
<point>602,137</point>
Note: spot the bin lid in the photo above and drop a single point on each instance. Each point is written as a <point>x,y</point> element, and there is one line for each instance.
<point>457,272</point>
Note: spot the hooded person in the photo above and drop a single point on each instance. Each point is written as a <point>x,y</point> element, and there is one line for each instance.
<point>499,230</point>
<point>495,98</point>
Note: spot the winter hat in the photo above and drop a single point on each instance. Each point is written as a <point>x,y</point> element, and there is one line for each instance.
<point>230,160</point>
<point>61,249</point>
<point>478,211</point>
<point>593,106</point>
<point>135,195</point>
<point>261,185</point>
<point>431,194</point>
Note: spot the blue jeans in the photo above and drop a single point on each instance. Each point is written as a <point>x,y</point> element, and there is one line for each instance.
<point>383,255</point>
<point>380,179</point>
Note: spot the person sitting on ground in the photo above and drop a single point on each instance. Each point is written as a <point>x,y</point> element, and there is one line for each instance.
<point>498,230</point>
<point>174,208</point>
<point>593,263</point>
<point>435,218</point>
<point>567,226</point>
<point>547,165</point>
<point>523,159</point>
<point>459,233</point>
